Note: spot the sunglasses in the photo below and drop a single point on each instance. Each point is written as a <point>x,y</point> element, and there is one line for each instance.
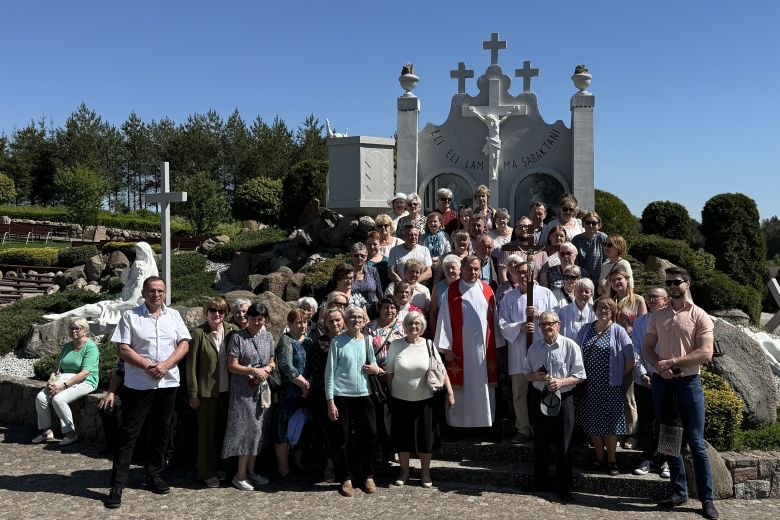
<point>216,311</point>
<point>567,210</point>
<point>570,277</point>
<point>383,225</point>
<point>591,222</point>
<point>445,199</point>
<point>676,282</point>
<point>607,244</point>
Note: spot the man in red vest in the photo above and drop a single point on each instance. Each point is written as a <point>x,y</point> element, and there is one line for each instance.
<point>467,332</point>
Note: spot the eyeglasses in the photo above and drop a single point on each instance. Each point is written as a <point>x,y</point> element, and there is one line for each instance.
<point>339,304</point>
<point>676,282</point>
<point>604,309</point>
<point>356,318</point>
<point>568,210</point>
<point>445,199</point>
<point>548,323</point>
<point>524,226</point>
<point>383,225</point>
<point>591,222</point>
<point>654,296</point>
<point>216,311</point>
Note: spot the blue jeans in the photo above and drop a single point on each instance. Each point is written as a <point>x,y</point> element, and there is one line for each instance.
<point>690,402</point>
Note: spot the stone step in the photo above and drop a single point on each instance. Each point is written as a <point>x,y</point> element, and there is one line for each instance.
<point>520,475</point>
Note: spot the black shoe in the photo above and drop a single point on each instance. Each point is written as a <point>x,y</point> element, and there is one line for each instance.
<point>114,498</point>
<point>708,509</point>
<point>566,496</point>
<point>612,469</point>
<point>673,500</point>
<point>157,485</point>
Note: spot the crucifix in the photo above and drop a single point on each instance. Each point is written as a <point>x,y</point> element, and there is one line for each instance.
<point>526,246</point>
<point>164,199</point>
<point>461,73</point>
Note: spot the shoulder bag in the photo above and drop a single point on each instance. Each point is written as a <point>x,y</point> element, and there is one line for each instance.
<point>379,392</point>
<point>436,373</point>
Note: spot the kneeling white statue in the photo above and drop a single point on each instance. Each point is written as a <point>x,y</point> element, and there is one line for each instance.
<point>108,312</point>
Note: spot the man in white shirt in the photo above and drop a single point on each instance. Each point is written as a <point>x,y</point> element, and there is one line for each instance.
<point>152,339</point>
<point>411,248</point>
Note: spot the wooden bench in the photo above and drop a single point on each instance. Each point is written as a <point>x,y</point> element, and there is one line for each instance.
<point>30,232</point>
<point>30,285</point>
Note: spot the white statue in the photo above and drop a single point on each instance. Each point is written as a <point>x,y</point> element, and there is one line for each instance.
<point>492,145</point>
<point>330,131</point>
<point>108,312</point>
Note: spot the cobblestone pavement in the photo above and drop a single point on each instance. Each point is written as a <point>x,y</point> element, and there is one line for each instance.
<point>38,481</point>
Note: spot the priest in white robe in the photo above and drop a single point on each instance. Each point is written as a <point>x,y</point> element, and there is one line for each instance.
<point>467,333</point>
<point>513,319</point>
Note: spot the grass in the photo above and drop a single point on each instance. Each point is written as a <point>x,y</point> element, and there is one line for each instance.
<point>14,244</point>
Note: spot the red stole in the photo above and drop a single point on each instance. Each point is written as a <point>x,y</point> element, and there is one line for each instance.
<point>455,304</point>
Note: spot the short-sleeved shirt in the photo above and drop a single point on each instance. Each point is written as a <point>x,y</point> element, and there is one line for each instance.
<point>399,255</point>
<point>86,358</point>
<point>154,339</point>
<point>563,358</point>
<point>680,332</point>
<point>409,364</point>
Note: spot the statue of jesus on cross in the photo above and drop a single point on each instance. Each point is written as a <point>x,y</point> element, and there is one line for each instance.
<point>492,145</point>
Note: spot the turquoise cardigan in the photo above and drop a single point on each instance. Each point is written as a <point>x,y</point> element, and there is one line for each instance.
<point>344,375</point>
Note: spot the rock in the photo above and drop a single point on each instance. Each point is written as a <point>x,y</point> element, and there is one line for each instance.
<point>752,489</point>
<point>251,225</point>
<point>30,295</point>
<point>79,283</point>
<point>657,266</point>
<point>71,275</point>
<point>255,280</point>
<point>99,233</point>
<point>723,486</point>
<point>93,288</point>
<point>277,309</point>
<point>11,274</point>
<point>117,260</point>
<point>5,219</point>
<point>1,275</point>
<point>336,236</point>
<point>330,217</point>
<point>221,239</point>
<point>301,237</point>
<point>277,262</point>
<point>276,282</point>
<point>310,216</point>
<point>6,288</point>
<point>291,250</point>
<point>94,268</point>
<point>30,274</point>
<point>192,316</point>
<point>313,259</point>
<point>733,316</point>
<point>53,289</point>
<point>744,366</point>
<point>293,290</point>
<point>244,264</point>
<point>44,339</point>
<point>232,296</point>
<point>366,224</point>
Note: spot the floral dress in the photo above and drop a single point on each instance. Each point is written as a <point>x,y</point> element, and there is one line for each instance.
<point>380,341</point>
<point>602,413</point>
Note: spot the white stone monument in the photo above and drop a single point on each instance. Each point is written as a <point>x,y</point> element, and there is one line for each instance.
<point>360,174</point>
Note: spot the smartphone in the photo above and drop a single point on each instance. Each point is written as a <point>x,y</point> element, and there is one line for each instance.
<point>677,371</point>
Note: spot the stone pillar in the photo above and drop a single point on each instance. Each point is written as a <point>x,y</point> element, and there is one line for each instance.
<point>582,150</point>
<point>408,136</point>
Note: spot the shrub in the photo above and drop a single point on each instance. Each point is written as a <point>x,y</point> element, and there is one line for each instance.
<point>15,319</point>
<point>715,290</point>
<point>763,439</point>
<point>7,189</point>
<point>113,285</point>
<point>615,216</point>
<point>722,412</point>
<point>252,242</point>
<point>206,204</point>
<point>76,255</point>
<point>128,248</point>
<point>230,229</point>
<point>108,357</point>
<point>192,290</point>
<point>676,251</point>
<point>187,263</point>
<point>141,220</point>
<point>666,219</point>
<point>306,181</point>
<point>43,256</point>
<point>318,275</point>
<point>259,199</point>
<point>732,232</point>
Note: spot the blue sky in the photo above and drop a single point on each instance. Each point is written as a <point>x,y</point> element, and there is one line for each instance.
<point>687,103</point>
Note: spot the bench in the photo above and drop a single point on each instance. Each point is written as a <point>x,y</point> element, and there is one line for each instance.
<point>30,232</point>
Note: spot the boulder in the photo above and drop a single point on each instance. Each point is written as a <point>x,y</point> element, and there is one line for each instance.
<point>93,288</point>
<point>244,264</point>
<point>723,486</point>
<point>293,290</point>
<point>255,280</point>
<point>5,219</point>
<point>313,259</point>
<point>657,266</point>
<point>336,236</point>
<point>42,340</point>
<point>79,283</point>
<point>94,268</point>
<point>366,224</point>
<point>207,245</point>
<point>301,237</point>
<point>221,239</point>
<point>53,289</point>
<point>251,225</point>
<point>29,295</point>
<point>276,282</point>
<point>11,274</point>
<point>310,216</point>
<point>6,288</point>
<point>277,262</point>
<point>192,316</point>
<point>117,260</point>
<point>70,276</point>
<point>744,366</point>
<point>277,309</point>
<point>293,251</point>
<point>733,316</point>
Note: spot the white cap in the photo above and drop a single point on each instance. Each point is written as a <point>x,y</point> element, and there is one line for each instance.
<point>397,196</point>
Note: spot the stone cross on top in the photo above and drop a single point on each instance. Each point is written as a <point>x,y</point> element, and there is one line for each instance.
<point>164,199</point>
<point>461,73</point>
<point>494,44</point>
<point>526,73</point>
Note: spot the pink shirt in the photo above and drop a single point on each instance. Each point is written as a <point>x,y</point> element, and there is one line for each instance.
<point>680,332</point>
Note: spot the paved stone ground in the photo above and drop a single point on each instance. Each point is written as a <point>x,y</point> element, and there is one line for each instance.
<point>38,481</point>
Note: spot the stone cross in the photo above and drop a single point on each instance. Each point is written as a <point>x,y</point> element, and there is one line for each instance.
<point>461,73</point>
<point>774,323</point>
<point>526,73</point>
<point>163,199</point>
<point>494,44</point>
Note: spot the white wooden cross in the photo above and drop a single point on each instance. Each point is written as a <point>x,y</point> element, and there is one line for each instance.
<point>461,73</point>
<point>774,323</point>
<point>164,199</point>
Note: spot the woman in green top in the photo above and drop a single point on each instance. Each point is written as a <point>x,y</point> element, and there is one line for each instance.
<point>75,375</point>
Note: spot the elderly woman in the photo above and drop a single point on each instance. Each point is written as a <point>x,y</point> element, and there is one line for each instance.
<point>398,205</point>
<point>291,352</point>
<point>366,278</point>
<point>342,280</point>
<point>434,238</point>
<point>451,270</point>
<point>350,408</point>
<point>614,248</point>
<point>449,219</point>
<point>415,218</point>
<point>238,309</point>
<point>402,295</point>
<point>552,275</point>
<point>502,234</point>
<point>250,360</point>
<point>309,306</point>
<point>414,427</point>
<point>566,294</point>
<point>590,246</point>
<point>567,208</point>
<point>386,227</point>
<point>482,209</point>
<point>75,375</point>
<point>421,296</point>
<point>521,235</point>
<point>375,257</point>
<point>579,312</point>
<point>608,355</point>
<point>208,386</point>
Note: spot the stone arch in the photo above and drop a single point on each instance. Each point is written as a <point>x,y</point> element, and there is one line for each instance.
<point>431,182</point>
<point>519,190</point>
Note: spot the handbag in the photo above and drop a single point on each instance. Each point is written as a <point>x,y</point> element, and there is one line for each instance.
<point>670,432</point>
<point>436,373</point>
<point>379,392</point>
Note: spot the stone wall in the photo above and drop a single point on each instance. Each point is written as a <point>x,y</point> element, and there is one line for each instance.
<point>17,406</point>
<point>756,474</point>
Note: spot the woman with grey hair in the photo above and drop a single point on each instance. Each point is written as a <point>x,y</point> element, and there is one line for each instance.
<point>502,234</point>
<point>565,294</point>
<point>444,207</point>
<point>415,217</point>
<point>366,280</point>
<point>551,275</point>
<point>239,308</point>
<point>580,312</point>
<point>415,424</point>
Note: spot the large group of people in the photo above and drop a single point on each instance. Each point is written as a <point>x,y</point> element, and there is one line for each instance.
<point>350,380</point>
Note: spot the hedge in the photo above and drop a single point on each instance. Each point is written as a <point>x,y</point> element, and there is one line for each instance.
<point>183,264</point>
<point>192,290</point>
<point>76,255</point>
<point>108,357</point>
<point>142,220</point>
<point>722,412</point>
<point>666,219</point>
<point>42,256</point>
<point>252,242</point>
<point>319,274</point>
<point>763,439</point>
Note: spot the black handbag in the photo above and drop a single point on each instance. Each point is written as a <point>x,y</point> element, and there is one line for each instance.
<point>379,391</point>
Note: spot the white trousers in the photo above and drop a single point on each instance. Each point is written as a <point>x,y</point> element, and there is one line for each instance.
<point>60,403</point>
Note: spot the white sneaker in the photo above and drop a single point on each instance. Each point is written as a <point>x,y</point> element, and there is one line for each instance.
<point>43,437</point>
<point>243,485</point>
<point>644,468</point>
<point>665,473</point>
<point>68,440</point>
<point>257,479</point>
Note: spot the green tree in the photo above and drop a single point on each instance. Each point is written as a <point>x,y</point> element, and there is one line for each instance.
<point>206,204</point>
<point>616,217</point>
<point>138,161</point>
<point>236,146</point>
<point>306,181</point>
<point>81,190</point>
<point>666,219</point>
<point>771,229</point>
<point>312,144</point>
<point>732,232</point>
<point>7,189</point>
<point>32,151</point>
<point>258,199</point>
<point>273,148</point>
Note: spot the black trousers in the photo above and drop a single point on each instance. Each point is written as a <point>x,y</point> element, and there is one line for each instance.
<point>136,406</point>
<point>548,432</point>
<point>647,426</point>
<point>353,455</point>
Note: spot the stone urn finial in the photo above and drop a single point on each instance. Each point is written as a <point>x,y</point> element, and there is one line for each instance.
<point>581,79</point>
<point>408,79</point>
